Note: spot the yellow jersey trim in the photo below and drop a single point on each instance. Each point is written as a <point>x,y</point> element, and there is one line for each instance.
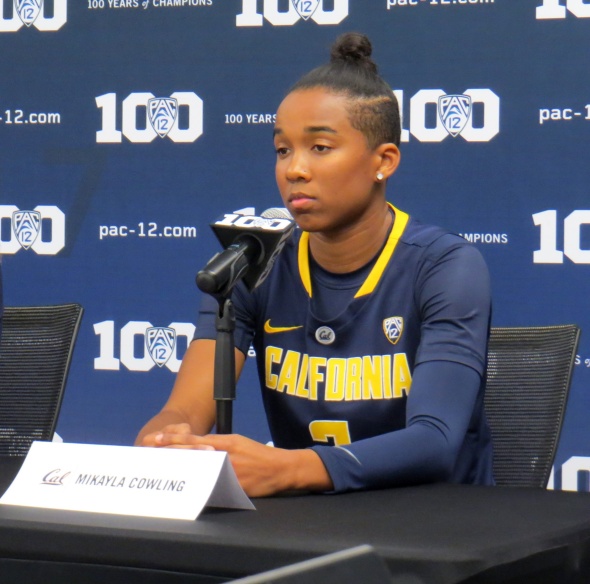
<point>400,221</point>
<point>303,261</point>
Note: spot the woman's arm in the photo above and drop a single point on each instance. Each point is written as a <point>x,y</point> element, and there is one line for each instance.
<point>439,409</point>
<point>191,401</point>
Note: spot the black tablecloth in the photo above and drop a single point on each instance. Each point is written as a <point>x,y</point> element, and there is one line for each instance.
<point>440,534</point>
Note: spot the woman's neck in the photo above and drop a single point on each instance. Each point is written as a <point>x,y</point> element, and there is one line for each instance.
<point>352,248</point>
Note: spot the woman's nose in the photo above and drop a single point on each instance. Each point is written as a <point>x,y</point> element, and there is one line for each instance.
<point>297,169</point>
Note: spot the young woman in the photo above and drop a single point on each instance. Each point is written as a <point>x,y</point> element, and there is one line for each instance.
<point>371,330</point>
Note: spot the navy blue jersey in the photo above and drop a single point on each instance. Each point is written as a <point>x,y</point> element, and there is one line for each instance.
<point>338,375</point>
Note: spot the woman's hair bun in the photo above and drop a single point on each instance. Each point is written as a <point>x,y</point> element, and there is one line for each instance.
<point>353,47</point>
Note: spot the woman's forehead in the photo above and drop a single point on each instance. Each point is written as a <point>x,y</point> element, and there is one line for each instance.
<point>313,107</point>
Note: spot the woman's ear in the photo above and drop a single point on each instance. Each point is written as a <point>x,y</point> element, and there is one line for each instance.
<point>388,159</point>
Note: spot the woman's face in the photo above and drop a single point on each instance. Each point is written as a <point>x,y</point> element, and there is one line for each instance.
<point>325,170</point>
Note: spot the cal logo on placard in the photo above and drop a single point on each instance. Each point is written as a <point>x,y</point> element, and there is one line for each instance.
<point>28,10</point>
<point>160,342</point>
<point>454,112</point>
<point>162,113</point>
<point>26,226</point>
<point>393,328</point>
<point>305,8</point>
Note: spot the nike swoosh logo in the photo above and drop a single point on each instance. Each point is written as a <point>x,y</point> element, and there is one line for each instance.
<point>279,329</point>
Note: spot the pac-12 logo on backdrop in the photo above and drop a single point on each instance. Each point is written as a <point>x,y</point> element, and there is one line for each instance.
<point>42,229</point>
<point>26,226</point>
<point>556,9</point>
<point>454,112</point>
<point>160,342</point>
<point>436,115</point>
<point>32,13</point>
<point>315,10</point>
<point>178,117</point>
<point>162,114</point>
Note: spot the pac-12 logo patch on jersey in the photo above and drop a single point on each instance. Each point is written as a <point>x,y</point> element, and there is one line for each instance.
<point>26,226</point>
<point>162,113</point>
<point>28,10</point>
<point>305,8</point>
<point>393,328</point>
<point>454,112</point>
<point>160,342</point>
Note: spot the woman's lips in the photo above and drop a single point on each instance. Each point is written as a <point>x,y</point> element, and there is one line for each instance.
<point>300,201</point>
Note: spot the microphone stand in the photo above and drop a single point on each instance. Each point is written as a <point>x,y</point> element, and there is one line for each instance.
<point>224,375</point>
<point>245,251</point>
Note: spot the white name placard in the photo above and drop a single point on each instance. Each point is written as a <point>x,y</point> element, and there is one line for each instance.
<point>150,482</point>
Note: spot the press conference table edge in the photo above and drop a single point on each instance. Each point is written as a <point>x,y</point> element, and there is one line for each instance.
<point>444,534</point>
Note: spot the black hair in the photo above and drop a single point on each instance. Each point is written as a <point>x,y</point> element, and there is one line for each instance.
<point>373,109</point>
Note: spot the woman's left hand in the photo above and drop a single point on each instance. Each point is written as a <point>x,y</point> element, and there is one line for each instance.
<point>264,470</point>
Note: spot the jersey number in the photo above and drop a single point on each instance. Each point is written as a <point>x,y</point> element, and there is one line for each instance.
<point>335,431</point>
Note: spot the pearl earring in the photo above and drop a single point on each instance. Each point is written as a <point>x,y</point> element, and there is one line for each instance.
<point>379,176</point>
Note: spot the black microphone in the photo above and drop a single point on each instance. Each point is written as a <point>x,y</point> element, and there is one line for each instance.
<point>251,244</point>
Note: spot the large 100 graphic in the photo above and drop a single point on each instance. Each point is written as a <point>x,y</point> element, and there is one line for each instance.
<point>254,11</point>
<point>178,117</point>
<point>557,9</point>
<point>549,228</point>
<point>157,346</point>
<point>435,115</point>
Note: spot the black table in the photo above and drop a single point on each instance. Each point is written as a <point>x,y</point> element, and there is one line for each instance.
<point>439,534</point>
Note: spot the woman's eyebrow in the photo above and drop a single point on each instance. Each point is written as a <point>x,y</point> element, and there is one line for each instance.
<point>309,130</point>
<point>317,129</point>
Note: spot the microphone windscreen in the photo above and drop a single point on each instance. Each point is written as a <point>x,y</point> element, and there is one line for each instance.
<point>272,233</point>
<point>277,213</point>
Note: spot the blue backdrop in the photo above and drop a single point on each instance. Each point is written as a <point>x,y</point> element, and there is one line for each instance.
<point>127,126</point>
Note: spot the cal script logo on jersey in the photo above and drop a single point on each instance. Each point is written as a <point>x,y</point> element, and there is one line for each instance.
<point>325,335</point>
<point>393,328</point>
<point>297,10</point>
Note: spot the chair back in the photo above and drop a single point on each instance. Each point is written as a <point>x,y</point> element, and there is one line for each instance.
<point>35,353</point>
<point>528,380</point>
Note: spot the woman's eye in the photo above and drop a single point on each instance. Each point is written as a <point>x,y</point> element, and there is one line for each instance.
<point>321,148</point>
<point>281,151</point>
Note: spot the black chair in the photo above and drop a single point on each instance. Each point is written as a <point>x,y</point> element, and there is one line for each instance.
<point>35,353</point>
<point>528,381</point>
